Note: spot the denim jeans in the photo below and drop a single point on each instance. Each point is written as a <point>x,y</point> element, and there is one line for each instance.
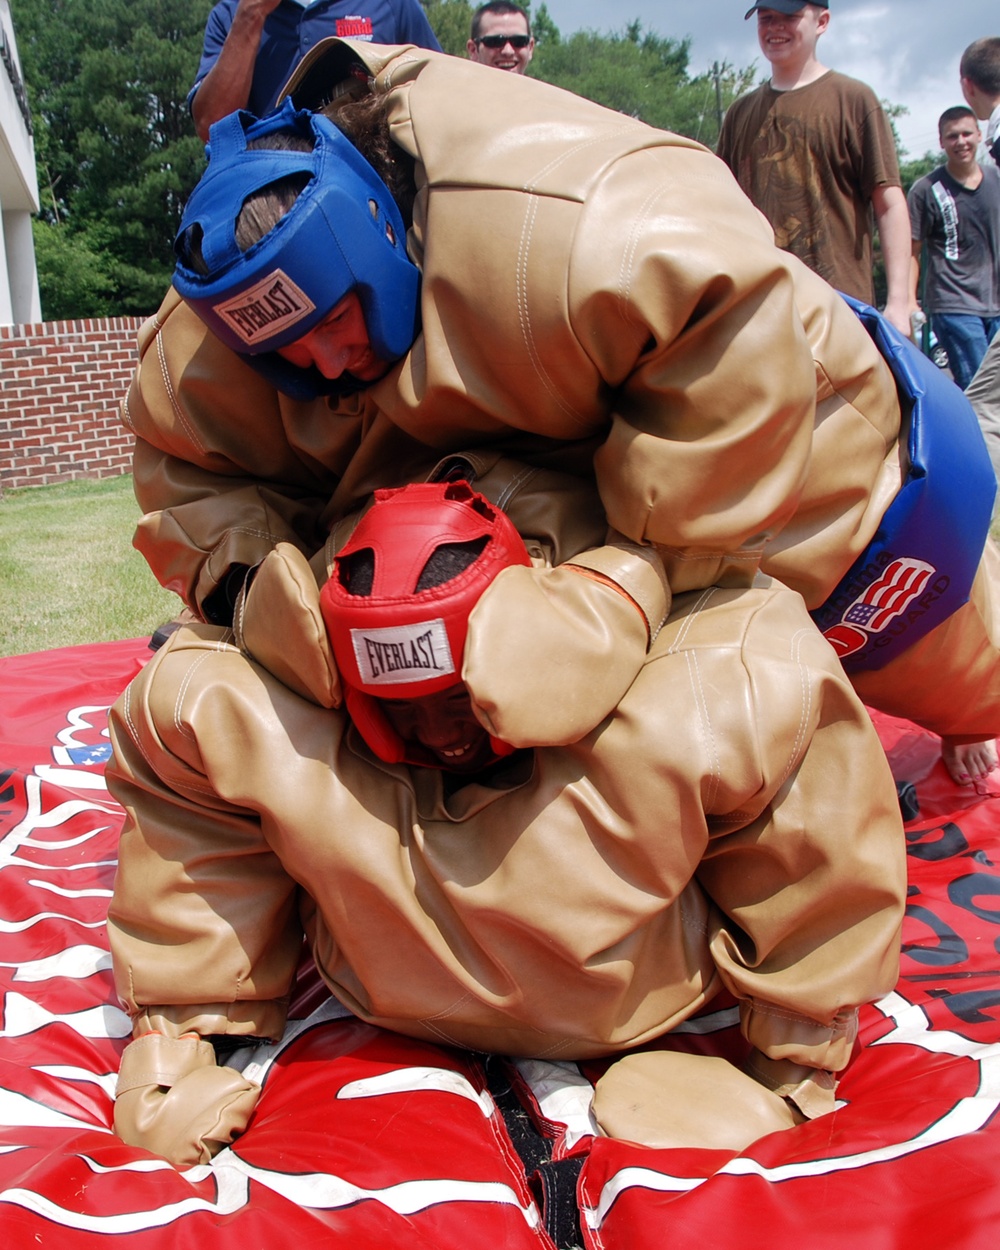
<point>965,339</point>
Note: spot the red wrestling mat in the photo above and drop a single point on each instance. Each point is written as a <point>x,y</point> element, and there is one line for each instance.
<point>367,1140</point>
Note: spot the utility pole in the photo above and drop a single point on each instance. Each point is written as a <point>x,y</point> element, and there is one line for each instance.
<point>717,77</point>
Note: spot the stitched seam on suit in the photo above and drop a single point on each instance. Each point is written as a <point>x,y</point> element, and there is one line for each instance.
<point>849,402</point>
<point>783,1013</point>
<point>752,554</point>
<point>428,1021</point>
<point>238,623</point>
<point>690,920</point>
<point>597,140</point>
<point>625,273</point>
<point>805,697</point>
<point>133,731</point>
<point>172,395</point>
<point>124,405</point>
<point>252,530</point>
<point>182,690</point>
<point>400,62</point>
<point>555,1049</point>
<point>689,622</point>
<point>694,676</point>
<point>805,703</point>
<point>520,479</point>
<point>697,685</point>
<point>126,706</point>
<point>126,415</point>
<point>523,315</point>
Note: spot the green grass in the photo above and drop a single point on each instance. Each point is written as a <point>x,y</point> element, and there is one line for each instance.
<point>68,572</point>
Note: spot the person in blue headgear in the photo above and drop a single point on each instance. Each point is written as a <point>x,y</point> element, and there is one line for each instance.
<point>590,290</point>
<point>256,281</point>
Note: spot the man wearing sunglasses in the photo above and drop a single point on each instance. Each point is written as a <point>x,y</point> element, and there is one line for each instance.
<point>501,36</point>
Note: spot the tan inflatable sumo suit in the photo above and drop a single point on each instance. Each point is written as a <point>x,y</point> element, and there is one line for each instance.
<point>713,813</point>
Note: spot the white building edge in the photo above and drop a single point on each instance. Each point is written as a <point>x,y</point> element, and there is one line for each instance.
<point>19,299</point>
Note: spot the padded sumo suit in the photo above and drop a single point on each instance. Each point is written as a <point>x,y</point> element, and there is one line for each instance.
<point>714,814</point>
<point>597,296</point>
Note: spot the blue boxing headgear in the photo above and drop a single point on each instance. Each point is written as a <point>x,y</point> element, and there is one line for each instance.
<point>344,232</point>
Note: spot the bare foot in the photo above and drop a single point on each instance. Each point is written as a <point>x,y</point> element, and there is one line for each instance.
<point>969,762</point>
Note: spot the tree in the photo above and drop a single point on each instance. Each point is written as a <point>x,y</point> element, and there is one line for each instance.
<point>74,280</point>
<point>115,148</point>
<point>645,75</point>
<point>910,171</point>
<point>451,21</point>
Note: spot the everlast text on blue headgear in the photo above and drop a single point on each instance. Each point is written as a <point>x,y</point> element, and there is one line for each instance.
<point>344,232</point>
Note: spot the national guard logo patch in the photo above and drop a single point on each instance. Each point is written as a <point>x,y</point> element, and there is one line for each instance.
<point>883,601</point>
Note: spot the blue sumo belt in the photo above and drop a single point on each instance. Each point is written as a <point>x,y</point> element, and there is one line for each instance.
<point>919,567</point>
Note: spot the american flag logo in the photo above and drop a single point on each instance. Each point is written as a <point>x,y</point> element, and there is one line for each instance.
<point>889,596</point>
<point>845,639</point>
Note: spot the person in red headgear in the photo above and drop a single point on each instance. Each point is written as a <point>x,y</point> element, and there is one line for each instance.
<point>397,610</point>
<point>552,820</point>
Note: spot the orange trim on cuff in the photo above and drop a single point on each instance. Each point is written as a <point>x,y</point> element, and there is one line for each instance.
<point>604,580</point>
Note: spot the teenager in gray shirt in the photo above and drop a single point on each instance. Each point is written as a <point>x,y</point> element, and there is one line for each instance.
<point>955,212</point>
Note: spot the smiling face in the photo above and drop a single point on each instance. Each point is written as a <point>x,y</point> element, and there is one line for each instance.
<point>788,40</point>
<point>502,27</point>
<point>960,140</point>
<point>339,344</point>
<point>444,724</point>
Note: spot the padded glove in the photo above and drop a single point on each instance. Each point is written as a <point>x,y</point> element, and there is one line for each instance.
<point>667,1100</point>
<point>277,622</point>
<point>551,652</point>
<point>174,1100</point>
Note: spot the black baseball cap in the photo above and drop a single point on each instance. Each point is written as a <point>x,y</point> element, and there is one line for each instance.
<point>785,6</point>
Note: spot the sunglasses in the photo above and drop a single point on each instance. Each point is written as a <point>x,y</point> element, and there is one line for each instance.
<point>495,42</point>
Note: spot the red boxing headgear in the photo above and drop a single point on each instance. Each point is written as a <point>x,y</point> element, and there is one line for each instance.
<point>397,615</point>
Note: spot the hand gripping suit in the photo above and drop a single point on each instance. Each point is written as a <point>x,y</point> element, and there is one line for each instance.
<point>722,817</point>
<point>595,294</point>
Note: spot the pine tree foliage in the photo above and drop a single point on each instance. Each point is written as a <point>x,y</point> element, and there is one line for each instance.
<point>115,149</point>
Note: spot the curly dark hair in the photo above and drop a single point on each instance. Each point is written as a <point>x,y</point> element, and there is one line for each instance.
<point>364,119</point>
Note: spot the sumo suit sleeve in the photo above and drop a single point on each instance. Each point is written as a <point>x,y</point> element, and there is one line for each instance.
<point>218,474</point>
<point>805,857</point>
<point>203,922</point>
<point>690,316</point>
<point>174,1099</point>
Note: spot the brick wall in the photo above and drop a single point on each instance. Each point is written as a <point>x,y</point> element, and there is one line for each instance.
<point>60,386</point>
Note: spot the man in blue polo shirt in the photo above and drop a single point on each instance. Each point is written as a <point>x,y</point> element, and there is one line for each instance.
<point>252,46</point>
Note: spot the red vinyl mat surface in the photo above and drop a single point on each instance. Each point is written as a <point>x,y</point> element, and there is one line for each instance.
<point>365,1139</point>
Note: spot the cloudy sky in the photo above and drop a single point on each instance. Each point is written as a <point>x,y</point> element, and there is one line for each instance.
<point>907,50</point>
